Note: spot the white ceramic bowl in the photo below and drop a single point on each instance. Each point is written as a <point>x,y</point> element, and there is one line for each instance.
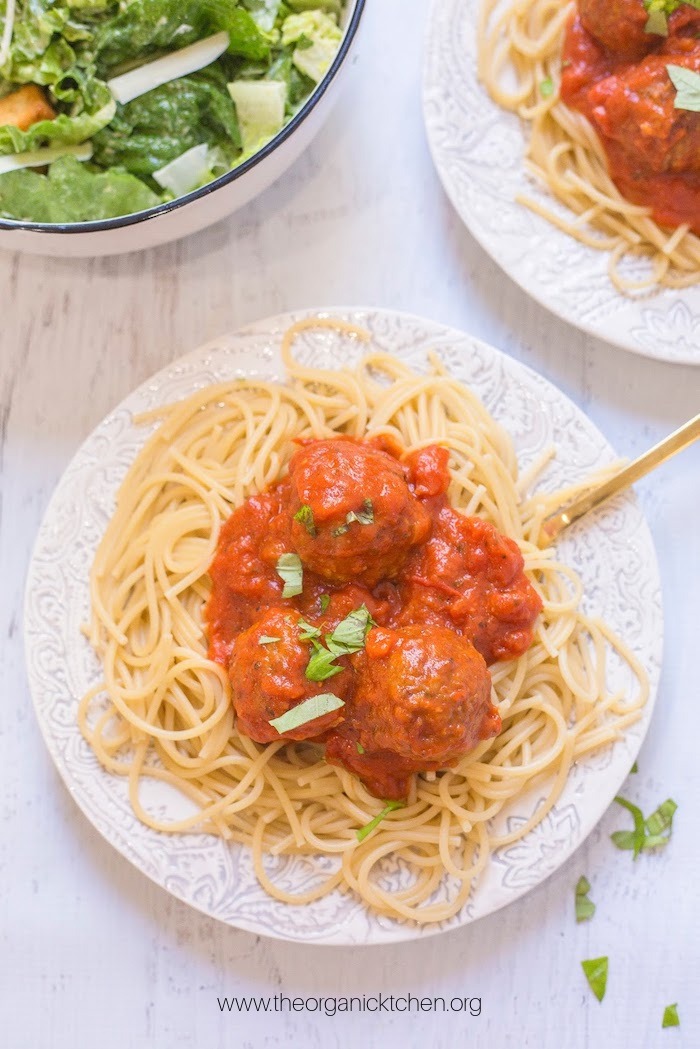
<point>204,206</point>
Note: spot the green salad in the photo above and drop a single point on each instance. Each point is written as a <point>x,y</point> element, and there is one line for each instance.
<point>108,107</point>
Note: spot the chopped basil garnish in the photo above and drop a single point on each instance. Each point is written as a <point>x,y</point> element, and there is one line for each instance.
<point>360,748</point>
<point>671,1016</point>
<point>369,827</point>
<point>657,22</point>
<point>647,834</point>
<point>325,602</point>
<point>634,768</point>
<point>631,839</point>
<point>309,710</point>
<point>365,516</point>
<point>350,633</point>
<point>348,637</point>
<point>659,10</point>
<point>307,630</point>
<point>322,663</point>
<point>547,87</point>
<point>687,85</point>
<point>305,517</point>
<point>267,640</point>
<point>596,970</point>
<point>585,908</point>
<point>290,571</point>
<point>662,818</point>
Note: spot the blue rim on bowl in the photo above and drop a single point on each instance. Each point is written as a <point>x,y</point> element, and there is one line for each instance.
<point>17,225</point>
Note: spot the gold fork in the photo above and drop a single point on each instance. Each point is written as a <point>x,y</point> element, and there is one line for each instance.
<point>554,525</point>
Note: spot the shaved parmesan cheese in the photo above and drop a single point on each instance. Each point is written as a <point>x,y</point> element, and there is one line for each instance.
<point>186,172</point>
<point>39,158</point>
<point>8,30</point>
<point>137,82</point>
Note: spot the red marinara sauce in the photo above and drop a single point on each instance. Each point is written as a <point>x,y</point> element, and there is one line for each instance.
<point>614,72</point>
<point>447,595</point>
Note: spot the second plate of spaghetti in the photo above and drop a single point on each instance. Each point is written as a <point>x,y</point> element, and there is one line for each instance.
<point>509,88</point>
<point>293,646</point>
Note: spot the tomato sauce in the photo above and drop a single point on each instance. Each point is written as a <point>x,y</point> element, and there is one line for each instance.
<point>447,596</point>
<point>615,74</point>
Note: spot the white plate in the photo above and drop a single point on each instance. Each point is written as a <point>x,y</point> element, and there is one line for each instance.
<point>612,551</point>
<point>478,151</point>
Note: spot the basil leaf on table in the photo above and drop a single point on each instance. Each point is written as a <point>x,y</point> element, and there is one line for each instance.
<point>585,907</point>
<point>596,972</point>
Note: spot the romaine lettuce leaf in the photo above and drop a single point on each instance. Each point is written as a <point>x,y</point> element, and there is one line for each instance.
<point>41,24</point>
<point>36,21</point>
<point>299,86</point>
<point>45,68</point>
<point>146,26</point>
<point>91,7</point>
<point>264,12</point>
<point>334,6</point>
<point>260,108</point>
<point>247,38</point>
<point>161,125</point>
<point>71,192</point>
<point>321,38</point>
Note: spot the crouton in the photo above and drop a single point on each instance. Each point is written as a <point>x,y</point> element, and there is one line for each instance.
<point>25,107</point>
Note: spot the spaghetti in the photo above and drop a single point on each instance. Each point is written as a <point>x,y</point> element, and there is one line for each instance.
<point>163,709</point>
<point>520,64</point>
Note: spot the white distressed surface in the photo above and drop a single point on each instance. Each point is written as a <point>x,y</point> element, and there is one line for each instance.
<point>91,954</point>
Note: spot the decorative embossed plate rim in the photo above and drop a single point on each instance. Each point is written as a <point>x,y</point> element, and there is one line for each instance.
<point>613,551</point>
<point>478,151</point>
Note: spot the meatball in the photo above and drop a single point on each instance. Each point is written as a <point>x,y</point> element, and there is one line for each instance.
<point>473,574</point>
<point>421,701</point>
<point>683,26</point>
<point>619,25</point>
<point>244,584</point>
<point>422,692</point>
<point>384,774</point>
<point>634,109</point>
<point>268,678</point>
<point>354,515</point>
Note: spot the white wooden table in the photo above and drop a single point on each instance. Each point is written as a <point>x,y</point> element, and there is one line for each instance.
<point>91,953</point>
